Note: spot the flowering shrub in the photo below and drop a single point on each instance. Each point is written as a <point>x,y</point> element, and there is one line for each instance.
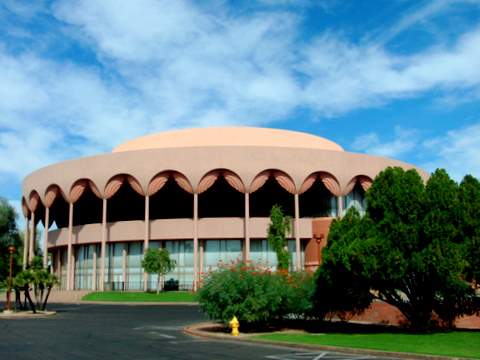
<point>254,294</point>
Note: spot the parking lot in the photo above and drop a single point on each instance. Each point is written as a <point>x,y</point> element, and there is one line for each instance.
<point>131,332</point>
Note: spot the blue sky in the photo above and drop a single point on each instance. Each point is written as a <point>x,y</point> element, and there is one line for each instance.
<point>396,78</point>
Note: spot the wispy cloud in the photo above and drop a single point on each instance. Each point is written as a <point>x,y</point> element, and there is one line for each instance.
<point>458,151</point>
<point>165,64</point>
<point>404,141</point>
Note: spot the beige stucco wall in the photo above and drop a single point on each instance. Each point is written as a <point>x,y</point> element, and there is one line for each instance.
<point>194,163</point>
<point>169,229</point>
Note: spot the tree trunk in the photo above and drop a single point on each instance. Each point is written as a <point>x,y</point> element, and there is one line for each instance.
<point>44,306</point>
<point>18,300</point>
<point>158,283</point>
<point>27,296</point>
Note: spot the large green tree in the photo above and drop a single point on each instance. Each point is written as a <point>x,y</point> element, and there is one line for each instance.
<point>342,290</point>
<point>158,261</point>
<point>280,226</point>
<point>9,235</point>
<point>407,250</point>
<point>469,202</point>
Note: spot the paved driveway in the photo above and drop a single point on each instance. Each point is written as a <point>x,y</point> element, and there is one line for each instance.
<point>129,332</point>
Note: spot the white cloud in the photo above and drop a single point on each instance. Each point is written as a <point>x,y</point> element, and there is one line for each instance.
<point>405,140</point>
<point>165,64</point>
<point>458,152</point>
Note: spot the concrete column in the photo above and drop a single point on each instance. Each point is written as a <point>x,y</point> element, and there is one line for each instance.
<point>147,238</point>
<point>195,241</point>
<point>297,233</point>
<point>69,247</point>
<point>104,245</point>
<point>247,227</point>
<point>202,250</point>
<point>72,272</point>
<point>59,265</point>
<point>31,243</point>
<point>26,242</point>
<point>45,238</point>
<point>339,206</point>
<point>124,266</point>
<point>94,268</point>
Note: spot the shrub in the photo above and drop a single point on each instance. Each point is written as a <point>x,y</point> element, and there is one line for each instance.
<point>256,296</point>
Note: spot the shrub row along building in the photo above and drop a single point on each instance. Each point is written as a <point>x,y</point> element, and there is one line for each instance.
<point>204,194</point>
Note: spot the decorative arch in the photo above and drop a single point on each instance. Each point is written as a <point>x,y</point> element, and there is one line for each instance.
<point>328,180</point>
<point>281,177</point>
<point>125,197</point>
<point>363,180</point>
<point>354,192</point>
<point>318,195</point>
<point>34,200</point>
<point>171,196</point>
<point>270,187</point>
<point>53,193</point>
<point>57,204</point>
<point>160,179</point>
<point>213,175</point>
<point>77,189</point>
<point>25,209</point>
<point>113,185</point>
<point>220,194</point>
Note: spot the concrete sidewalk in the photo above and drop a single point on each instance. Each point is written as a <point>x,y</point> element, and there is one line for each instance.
<point>67,297</point>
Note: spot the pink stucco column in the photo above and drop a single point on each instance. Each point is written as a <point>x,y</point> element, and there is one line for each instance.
<point>45,238</point>
<point>147,238</point>
<point>59,264</point>
<point>195,241</point>
<point>297,233</point>
<point>247,227</point>
<point>72,280</point>
<point>339,206</point>
<point>31,244</point>
<point>69,247</point>
<point>26,242</point>
<point>94,268</point>
<point>124,266</point>
<point>201,245</point>
<point>104,244</point>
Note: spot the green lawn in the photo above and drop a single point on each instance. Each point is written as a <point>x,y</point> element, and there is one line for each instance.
<point>168,296</point>
<point>455,343</point>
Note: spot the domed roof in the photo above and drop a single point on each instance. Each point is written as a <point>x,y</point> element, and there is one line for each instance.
<point>228,136</point>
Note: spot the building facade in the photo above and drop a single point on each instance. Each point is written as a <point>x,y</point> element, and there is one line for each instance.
<point>204,194</point>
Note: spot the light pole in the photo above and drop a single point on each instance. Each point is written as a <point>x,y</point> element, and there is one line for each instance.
<point>11,250</point>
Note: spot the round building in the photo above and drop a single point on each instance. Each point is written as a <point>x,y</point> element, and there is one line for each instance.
<point>204,194</point>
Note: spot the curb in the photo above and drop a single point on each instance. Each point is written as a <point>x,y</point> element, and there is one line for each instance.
<point>134,303</point>
<point>197,330</point>
<point>27,315</point>
<point>131,303</point>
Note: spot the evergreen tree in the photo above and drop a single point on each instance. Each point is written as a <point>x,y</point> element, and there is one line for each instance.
<point>280,226</point>
<point>408,249</point>
<point>469,203</point>
<point>9,235</point>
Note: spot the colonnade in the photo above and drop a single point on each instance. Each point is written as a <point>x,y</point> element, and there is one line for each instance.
<point>77,189</point>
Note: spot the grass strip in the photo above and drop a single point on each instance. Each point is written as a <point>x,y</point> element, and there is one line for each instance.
<point>455,343</point>
<point>167,296</point>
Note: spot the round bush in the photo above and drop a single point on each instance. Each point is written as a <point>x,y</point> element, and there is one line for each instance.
<point>254,294</point>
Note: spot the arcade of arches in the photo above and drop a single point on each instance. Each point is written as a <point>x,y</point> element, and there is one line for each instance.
<point>102,264</point>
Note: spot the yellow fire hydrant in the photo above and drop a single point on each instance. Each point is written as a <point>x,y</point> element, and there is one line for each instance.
<point>234,324</point>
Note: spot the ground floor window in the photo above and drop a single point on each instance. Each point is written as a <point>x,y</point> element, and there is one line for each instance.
<point>221,252</point>
<point>123,262</point>
<point>182,252</point>
<point>262,253</point>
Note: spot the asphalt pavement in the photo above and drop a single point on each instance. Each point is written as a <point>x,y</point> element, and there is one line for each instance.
<point>131,332</point>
